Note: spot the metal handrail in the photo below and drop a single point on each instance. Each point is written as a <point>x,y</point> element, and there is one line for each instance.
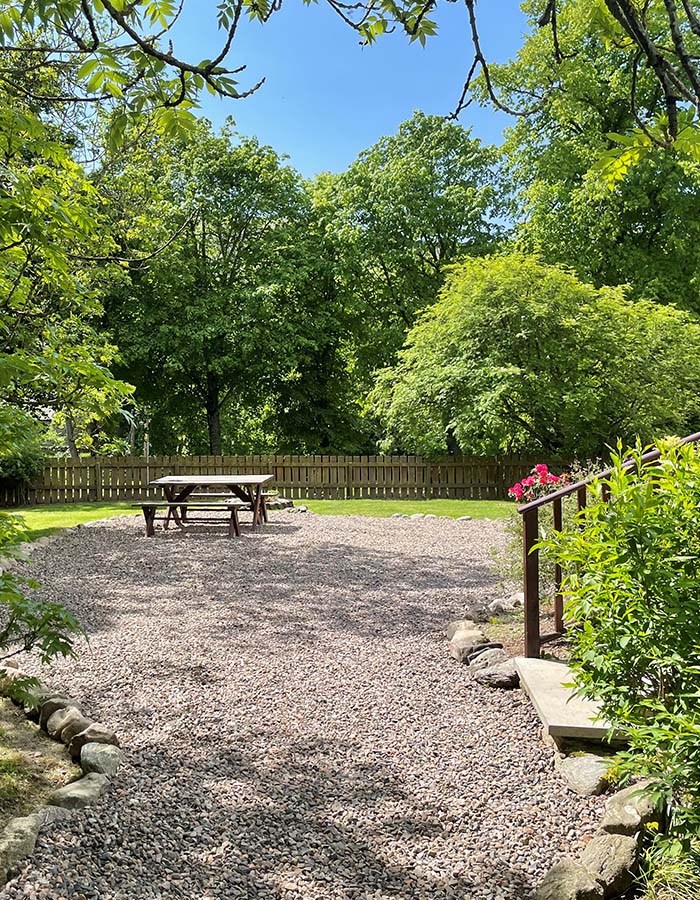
<point>531,573</point>
<point>572,488</point>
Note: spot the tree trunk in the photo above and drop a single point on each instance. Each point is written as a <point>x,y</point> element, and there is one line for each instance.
<point>214,414</point>
<point>70,437</point>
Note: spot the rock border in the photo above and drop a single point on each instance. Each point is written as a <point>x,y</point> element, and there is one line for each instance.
<point>609,864</point>
<point>489,663</point>
<point>94,746</point>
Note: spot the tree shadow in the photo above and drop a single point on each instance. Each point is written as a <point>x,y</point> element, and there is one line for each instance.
<point>304,821</point>
<point>265,582</point>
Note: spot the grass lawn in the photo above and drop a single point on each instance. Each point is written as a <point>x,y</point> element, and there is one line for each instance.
<point>477,509</point>
<point>43,520</point>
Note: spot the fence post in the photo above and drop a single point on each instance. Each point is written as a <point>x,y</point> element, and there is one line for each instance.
<point>500,481</point>
<point>99,493</point>
<point>348,481</point>
<point>531,583</point>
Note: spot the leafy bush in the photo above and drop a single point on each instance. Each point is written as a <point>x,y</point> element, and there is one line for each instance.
<point>28,624</point>
<point>520,356</point>
<point>21,456</point>
<point>670,873</point>
<point>632,586</point>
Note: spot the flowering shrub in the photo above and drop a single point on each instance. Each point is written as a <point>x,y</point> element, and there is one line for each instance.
<point>538,483</point>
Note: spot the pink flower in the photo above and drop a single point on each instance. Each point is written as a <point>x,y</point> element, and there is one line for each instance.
<point>529,481</point>
<point>516,491</point>
<point>542,470</point>
<point>553,479</point>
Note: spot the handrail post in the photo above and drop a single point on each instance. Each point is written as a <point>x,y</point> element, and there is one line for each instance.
<point>558,598</point>
<point>531,583</point>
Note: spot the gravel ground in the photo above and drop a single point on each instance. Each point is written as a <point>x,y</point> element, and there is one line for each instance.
<point>294,727</point>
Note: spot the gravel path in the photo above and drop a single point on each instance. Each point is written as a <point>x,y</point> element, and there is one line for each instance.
<point>294,727</point>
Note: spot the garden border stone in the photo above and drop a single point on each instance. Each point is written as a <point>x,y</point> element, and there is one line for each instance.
<point>94,745</point>
<point>611,858</point>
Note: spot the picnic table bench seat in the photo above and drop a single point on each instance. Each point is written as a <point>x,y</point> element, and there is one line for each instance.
<point>232,506</point>
<point>265,495</point>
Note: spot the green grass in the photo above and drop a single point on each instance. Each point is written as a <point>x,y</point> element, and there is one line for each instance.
<point>477,509</point>
<point>44,520</point>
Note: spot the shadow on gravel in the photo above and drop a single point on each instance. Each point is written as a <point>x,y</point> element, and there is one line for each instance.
<point>260,582</point>
<point>290,823</point>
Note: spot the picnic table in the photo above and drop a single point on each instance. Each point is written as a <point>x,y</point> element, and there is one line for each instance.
<point>246,489</point>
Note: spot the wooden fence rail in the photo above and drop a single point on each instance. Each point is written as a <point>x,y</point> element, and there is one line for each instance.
<point>113,478</point>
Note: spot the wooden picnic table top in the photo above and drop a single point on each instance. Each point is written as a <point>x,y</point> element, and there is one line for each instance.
<point>202,480</point>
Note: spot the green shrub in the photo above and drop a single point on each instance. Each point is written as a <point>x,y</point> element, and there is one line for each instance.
<point>27,623</point>
<point>21,456</point>
<point>670,873</point>
<point>632,586</point>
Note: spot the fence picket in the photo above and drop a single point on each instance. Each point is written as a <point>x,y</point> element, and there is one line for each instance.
<point>106,478</point>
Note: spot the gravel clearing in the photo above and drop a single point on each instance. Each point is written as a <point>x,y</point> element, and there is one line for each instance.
<point>293,725</point>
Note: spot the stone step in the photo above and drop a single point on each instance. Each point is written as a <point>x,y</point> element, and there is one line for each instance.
<point>563,714</point>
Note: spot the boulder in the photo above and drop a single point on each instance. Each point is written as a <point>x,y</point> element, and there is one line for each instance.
<point>75,725</point>
<point>49,707</point>
<point>32,705</point>
<point>502,675</point>
<point>417,516</point>
<point>17,842</point>
<point>80,793</point>
<point>50,814</point>
<point>498,607</point>
<point>516,600</point>
<point>464,518</point>
<point>629,810</point>
<point>464,643</point>
<point>586,774</point>
<point>569,880</point>
<point>104,759</point>
<point>95,734</point>
<point>61,718</point>
<point>482,648</point>
<point>612,859</point>
<point>488,658</point>
<point>459,625</point>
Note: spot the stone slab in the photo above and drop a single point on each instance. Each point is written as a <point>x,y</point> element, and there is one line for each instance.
<point>562,713</point>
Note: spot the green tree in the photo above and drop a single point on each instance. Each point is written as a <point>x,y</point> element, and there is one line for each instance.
<point>646,232</point>
<point>230,335</point>
<point>406,208</point>
<point>51,355</point>
<point>519,356</point>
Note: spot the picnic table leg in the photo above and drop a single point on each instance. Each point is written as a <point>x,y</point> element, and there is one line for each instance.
<point>179,514</point>
<point>169,496</point>
<point>149,514</point>
<point>257,515</point>
<point>234,526</point>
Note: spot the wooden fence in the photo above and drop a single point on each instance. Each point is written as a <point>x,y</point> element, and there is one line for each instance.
<point>300,477</point>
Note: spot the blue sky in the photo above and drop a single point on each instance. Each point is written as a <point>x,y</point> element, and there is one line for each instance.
<point>326,98</point>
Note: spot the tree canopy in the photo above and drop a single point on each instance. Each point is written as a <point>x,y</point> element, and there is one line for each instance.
<point>644,232</point>
<point>521,356</point>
